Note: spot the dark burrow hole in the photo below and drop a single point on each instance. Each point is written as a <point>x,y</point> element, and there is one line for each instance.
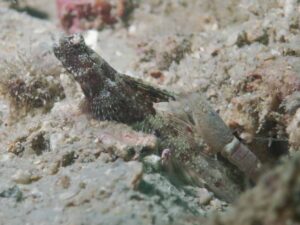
<point>40,144</point>
<point>68,158</point>
<point>277,146</point>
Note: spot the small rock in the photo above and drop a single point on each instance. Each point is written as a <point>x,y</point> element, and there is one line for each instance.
<point>17,147</point>
<point>22,177</point>
<point>105,157</point>
<point>152,163</point>
<point>126,143</point>
<point>53,168</point>
<point>156,74</point>
<point>216,204</point>
<point>293,130</point>
<point>64,182</point>
<point>204,196</point>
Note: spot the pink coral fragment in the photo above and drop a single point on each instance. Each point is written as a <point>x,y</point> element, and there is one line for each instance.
<point>79,15</point>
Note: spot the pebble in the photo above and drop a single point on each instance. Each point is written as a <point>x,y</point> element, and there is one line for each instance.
<point>152,162</point>
<point>22,177</point>
<point>216,204</point>
<point>204,196</point>
<point>53,168</point>
<point>64,182</point>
